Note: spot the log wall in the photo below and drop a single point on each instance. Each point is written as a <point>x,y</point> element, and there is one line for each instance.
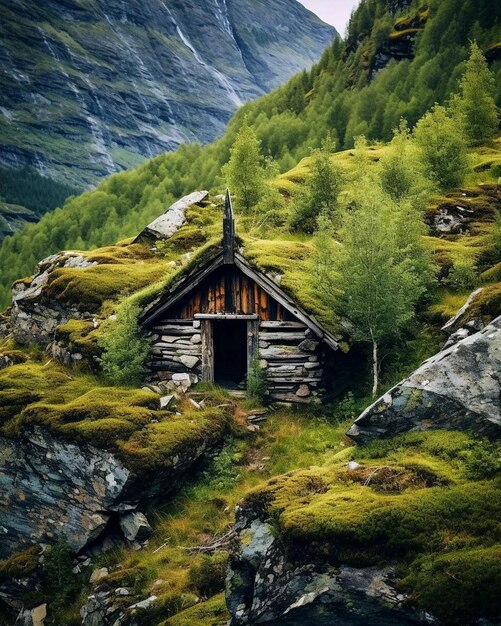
<point>289,351</point>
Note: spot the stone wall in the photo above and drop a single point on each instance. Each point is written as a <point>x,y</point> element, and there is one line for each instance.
<point>289,353</point>
<point>291,356</point>
<point>176,351</point>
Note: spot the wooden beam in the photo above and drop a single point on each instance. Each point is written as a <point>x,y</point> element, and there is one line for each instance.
<point>207,351</point>
<point>226,316</point>
<point>228,231</point>
<point>252,340</point>
<point>188,284</point>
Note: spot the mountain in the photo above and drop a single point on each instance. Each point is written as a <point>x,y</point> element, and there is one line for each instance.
<point>90,87</point>
<point>342,94</point>
<point>342,532</point>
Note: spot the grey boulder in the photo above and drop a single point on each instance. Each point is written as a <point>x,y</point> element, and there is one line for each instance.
<point>171,221</point>
<point>135,526</point>
<point>457,389</point>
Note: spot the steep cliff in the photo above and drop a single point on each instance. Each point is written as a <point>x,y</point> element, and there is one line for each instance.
<point>89,88</point>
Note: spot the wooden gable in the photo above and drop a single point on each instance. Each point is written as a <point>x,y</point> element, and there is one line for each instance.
<point>229,291</point>
<point>226,285</point>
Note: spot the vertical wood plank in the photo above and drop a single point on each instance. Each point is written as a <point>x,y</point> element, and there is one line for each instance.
<point>252,341</point>
<point>238,302</point>
<point>206,330</point>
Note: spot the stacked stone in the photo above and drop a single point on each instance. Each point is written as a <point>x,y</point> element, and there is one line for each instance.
<point>290,354</point>
<point>176,348</point>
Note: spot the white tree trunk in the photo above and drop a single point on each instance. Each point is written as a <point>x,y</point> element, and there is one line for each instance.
<point>375,369</point>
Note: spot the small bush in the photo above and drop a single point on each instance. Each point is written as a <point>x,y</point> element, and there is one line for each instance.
<point>60,584</point>
<point>221,472</point>
<point>463,274</point>
<point>207,576</point>
<point>125,350</point>
<point>483,461</point>
<point>257,387</point>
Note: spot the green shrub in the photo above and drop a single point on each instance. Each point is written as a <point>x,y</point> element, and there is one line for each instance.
<point>463,274</point>
<point>60,584</point>
<point>222,473</point>
<point>483,460</point>
<point>257,386</point>
<point>125,349</point>
<point>207,576</point>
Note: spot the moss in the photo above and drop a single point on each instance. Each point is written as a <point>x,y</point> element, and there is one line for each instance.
<point>399,34</point>
<point>408,496</point>
<point>14,356</point>
<point>163,443</point>
<point>493,274</point>
<point>290,260</point>
<point>20,564</point>
<point>459,586</point>
<point>87,288</point>
<point>80,336</point>
<point>487,305</point>
<point>125,420</point>
<point>213,612</point>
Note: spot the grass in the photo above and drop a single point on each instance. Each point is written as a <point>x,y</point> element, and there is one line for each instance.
<point>204,509</point>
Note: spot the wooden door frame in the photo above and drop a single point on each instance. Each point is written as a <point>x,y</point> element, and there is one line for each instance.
<point>207,334</point>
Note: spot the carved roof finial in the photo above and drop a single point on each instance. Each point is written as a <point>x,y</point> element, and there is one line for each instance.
<point>228,230</point>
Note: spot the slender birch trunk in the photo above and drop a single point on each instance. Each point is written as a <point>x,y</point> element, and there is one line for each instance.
<point>375,368</point>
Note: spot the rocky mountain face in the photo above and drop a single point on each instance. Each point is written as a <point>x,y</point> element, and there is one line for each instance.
<point>90,88</point>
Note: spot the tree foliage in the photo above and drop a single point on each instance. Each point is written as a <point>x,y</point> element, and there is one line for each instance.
<point>245,171</point>
<point>477,102</point>
<point>125,349</point>
<point>442,143</point>
<point>320,192</point>
<point>379,271</point>
<point>335,96</point>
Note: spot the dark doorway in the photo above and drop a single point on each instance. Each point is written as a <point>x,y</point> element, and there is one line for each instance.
<point>230,352</point>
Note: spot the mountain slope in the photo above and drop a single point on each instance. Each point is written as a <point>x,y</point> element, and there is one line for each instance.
<point>338,96</point>
<point>89,87</point>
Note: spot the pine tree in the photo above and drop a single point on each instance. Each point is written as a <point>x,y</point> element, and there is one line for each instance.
<point>244,172</point>
<point>477,104</point>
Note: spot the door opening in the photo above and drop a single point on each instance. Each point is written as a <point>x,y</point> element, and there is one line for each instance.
<point>230,352</point>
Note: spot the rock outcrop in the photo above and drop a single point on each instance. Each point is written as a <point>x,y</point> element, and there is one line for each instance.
<point>269,583</point>
<point>110,83</point>
<point>32,318</point>
<point>171,221</point>
<point>457,389</point>
<point>53,489</point>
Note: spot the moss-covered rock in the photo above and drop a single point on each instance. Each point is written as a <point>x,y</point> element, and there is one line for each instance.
<point>407,499</point>
<point>76,451</point>
<point>212,612</point>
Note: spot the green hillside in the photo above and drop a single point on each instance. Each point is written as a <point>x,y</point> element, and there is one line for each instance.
<point>344,94</point>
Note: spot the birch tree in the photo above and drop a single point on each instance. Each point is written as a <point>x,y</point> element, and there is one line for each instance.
<point>377,277</point>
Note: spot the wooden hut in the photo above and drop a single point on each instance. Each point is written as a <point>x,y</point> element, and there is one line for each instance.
<point>223,315</point>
